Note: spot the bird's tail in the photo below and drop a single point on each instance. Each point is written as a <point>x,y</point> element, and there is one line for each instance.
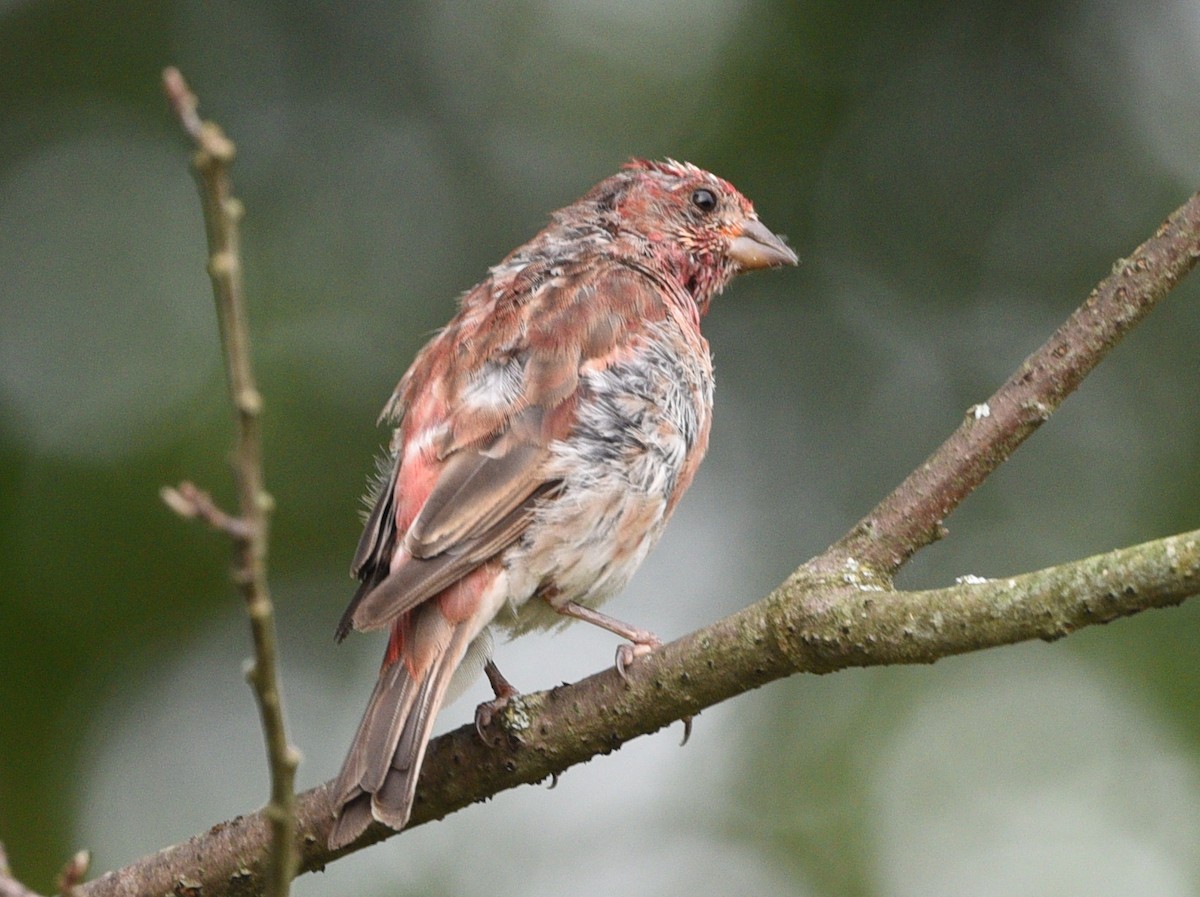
<point>379,776</point>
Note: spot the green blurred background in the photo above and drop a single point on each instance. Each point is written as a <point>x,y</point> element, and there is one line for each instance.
<point>955,177</point>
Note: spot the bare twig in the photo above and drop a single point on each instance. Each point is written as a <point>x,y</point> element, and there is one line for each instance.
<point>222,213</point>
<point>184,102</point>
<point>192,503</point>
<point>73,873</point>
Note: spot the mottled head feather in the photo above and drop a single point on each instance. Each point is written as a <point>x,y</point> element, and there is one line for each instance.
<point>664,166</point>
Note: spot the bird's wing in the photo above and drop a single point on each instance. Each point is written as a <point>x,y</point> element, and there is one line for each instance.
<point>481,407</point>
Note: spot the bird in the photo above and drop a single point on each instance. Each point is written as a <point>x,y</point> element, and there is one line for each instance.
<point>541,441</point>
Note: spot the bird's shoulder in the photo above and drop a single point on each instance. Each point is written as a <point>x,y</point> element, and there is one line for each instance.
<point>522,335</point>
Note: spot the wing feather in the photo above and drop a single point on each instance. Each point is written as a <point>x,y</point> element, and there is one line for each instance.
<point>487,464</point>
<point>476,489</point>
<point>416,580</point>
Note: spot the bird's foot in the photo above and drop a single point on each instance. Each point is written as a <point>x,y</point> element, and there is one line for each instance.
<point>504,690</point>
<point>640,647</point>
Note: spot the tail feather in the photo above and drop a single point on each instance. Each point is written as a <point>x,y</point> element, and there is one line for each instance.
<point>378,780</point>
<point>353,818</point>
<point>383,723</point>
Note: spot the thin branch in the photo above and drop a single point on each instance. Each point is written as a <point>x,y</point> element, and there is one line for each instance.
<point>912,516</point>
<point>249,531</point>
<point>68,880</point>
<point>73,873</point>
<point>193,503</point>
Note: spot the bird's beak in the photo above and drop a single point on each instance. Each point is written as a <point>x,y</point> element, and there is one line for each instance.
<point>756,247</point>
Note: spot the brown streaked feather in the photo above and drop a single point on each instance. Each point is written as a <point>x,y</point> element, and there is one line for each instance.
<point>551,376</point>
<point>353,817</point>
<point>379,529</point>
<point>601,336</point>
<point>369,582</point>
<point>419,579</point>
<point>379,776</point>
<point>378,536</point>
<point>393,800</point>
<point>478,488</point>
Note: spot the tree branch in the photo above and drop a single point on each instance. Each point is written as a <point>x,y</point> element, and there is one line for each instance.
<point>911,517</point>
<point>544,734</point>
<point>836,611</point>
<point>248,531</point>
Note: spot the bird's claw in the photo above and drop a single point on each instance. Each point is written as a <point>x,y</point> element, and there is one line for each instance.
<point>486,712</point>
<point>504,691</point>
<point>628,652</point>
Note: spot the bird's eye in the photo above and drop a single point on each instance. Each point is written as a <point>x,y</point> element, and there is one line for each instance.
<point>704,200</point>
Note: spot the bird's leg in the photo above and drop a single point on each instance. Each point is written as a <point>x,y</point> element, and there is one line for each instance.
<point>642,641</point>
<point>504,690</point>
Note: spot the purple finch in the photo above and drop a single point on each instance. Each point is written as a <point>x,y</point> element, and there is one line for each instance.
<point>542,440</point>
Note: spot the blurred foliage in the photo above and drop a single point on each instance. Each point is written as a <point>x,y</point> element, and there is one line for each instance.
<point>955,176</point>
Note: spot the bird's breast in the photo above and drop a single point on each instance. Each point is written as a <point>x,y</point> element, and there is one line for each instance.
<point>641,428</point>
